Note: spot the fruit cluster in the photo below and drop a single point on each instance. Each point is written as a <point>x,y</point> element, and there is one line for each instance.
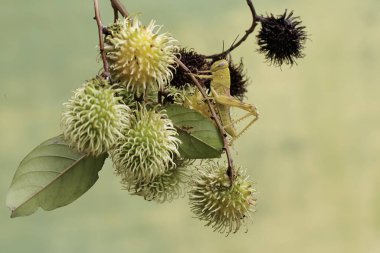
<point>121,115</point>
<point>162,114</point>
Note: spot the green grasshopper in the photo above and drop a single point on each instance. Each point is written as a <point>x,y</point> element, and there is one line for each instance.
<point>220,91</point>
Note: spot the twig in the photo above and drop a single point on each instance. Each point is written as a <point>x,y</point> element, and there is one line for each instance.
<point>115,15</point>
<point>230,170</point>
<point>119,7</point>
<point>106,73</point>
<point>250,30</point>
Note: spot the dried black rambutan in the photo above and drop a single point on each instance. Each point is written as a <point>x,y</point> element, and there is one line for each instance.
<point>194,61</point>
<point>238,80</point>
<point>281,38</point>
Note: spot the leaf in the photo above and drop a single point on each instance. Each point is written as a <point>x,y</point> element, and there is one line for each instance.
<point>51,176</point>
<point>199,135</point>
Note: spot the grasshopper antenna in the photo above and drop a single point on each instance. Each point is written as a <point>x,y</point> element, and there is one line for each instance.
<point>233,43</point>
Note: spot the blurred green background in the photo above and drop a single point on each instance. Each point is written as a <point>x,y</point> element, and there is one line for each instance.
<point>315,152</point>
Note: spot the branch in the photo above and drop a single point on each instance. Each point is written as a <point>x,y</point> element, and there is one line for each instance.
<point>230,170</point>
<point>119,7</point>
<point>106,73</point>
<point>250,30</point>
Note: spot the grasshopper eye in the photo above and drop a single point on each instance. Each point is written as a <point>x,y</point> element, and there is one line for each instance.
<point>223,64</point>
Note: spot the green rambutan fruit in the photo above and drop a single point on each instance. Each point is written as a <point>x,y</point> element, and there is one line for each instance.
<point>147,147</point>
<point>140,58</point>
<point>213,199</point>
<point>93,118</point>
<point>165,187</point>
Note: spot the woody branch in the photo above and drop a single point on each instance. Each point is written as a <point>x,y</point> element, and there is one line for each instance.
<point>255,19</point>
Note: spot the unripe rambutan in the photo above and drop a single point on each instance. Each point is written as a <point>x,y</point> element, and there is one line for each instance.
<point>165,187</point>
<point>213,199</point>
<point>93,118</point>
<point>147,148</point>
<point>139,57</point>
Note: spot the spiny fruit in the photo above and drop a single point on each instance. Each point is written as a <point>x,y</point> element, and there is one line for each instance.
<point>147,147</point>
<point>165,187</point>
<point>223,206</point>
<point>93,117</point>
<point>140,58</point>
<point>282,38</point>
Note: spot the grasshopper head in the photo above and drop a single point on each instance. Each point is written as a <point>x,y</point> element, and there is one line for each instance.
<point>218,65</point>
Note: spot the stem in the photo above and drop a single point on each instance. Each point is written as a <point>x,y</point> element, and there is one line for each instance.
<point>250,30</point>
<point>106,73</point>
<point>119,7</point>
<point>115,15</point>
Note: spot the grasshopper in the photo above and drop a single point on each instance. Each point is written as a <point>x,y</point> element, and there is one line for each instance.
<point>220,93</point>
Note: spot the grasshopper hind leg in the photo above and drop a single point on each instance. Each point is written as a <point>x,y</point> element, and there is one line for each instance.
<point>251,109</point>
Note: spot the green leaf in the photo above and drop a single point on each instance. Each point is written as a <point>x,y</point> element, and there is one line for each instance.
<point>199,135</point>
<point>51,176</point>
